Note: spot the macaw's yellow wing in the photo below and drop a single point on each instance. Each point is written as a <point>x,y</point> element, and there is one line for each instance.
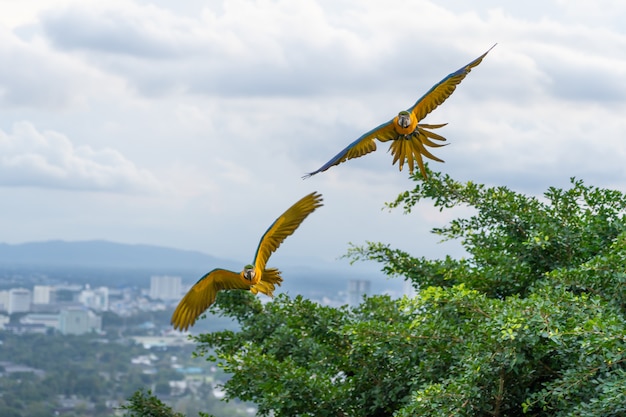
<point>444,89</point>
<point>284,226</point>
<point>362,146</point>
<point>202,295</point>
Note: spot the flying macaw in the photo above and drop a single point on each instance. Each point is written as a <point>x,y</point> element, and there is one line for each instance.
<point>255,277</point>
<point>408,136</point>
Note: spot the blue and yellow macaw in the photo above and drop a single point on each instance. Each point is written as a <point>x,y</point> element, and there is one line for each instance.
<point>409,137</point>
<point>254,278</point>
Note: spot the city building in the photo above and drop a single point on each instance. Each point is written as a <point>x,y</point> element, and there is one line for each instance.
<point>19,300</point>
<point>4,300</point>
<point>96,299</point>
<point>165,287</point>
<point>43,294</point>
<point>66,294</point>
<point>357,288</point>
<point>48,320</point>
<point>79,320</point>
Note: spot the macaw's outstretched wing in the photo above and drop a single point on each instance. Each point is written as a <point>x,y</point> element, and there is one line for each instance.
<point>362,146</point>
<point>202,295</point>
<point>284,226</point>
<point>444,89</point>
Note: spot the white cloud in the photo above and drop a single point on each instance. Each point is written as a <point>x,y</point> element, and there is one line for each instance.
<point>30,158</point>
<point>231,102</point>
<point>122,29</point>
<point>314,49</point>
<point>248,48</point>
<point>34,76</point>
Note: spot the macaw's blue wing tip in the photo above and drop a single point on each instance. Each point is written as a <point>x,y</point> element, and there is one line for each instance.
<point>305,176</point>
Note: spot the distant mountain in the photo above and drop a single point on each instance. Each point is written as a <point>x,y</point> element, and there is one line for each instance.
<point>107,263</point>
<point>104,254</point>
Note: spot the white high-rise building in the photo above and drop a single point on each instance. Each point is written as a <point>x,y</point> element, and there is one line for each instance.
<point>19,300</point>
<point>42,294</point>
<point>97,298</point>
<point>4,300</point>
<point>165,287</point>
<point>79,320</point>
<point>357,288</point>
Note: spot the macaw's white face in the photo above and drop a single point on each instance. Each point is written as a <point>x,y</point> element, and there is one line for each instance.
<point>404,119</point>
<point>248,272</point>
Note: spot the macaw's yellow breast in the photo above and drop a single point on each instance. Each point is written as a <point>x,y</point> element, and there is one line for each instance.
<point>405,130</point>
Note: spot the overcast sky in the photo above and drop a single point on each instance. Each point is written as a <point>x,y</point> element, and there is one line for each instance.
<point>189,124</point>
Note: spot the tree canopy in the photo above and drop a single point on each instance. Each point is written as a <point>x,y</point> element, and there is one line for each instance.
<point>530,322</point>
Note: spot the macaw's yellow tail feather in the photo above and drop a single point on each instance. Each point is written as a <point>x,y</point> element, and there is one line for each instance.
<point>418,157</point>
<point>412,151</point>
<point>409,151</point>
<point>397,150</point>
<point>271,278</point>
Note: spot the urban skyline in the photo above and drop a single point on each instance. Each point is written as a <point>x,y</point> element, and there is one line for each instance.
<point>72,308</point>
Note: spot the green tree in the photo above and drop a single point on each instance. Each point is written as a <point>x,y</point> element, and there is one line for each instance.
<point>144,404</point>
<point>530,322</point>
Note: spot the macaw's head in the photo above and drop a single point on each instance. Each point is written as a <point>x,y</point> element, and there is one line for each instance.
<point>248,272</point>
<point>404,119</point>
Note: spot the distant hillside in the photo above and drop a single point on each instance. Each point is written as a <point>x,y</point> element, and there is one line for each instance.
<point>107,263</point>
<point>103,254</point>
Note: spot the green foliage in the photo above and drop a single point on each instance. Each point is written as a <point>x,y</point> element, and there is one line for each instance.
<point>269,357</point>
<point>512,240</point>
<point>531,322</point>
<point>143,404</point>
